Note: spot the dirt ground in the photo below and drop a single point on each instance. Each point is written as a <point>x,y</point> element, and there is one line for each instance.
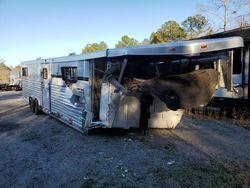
<point>39,151</point>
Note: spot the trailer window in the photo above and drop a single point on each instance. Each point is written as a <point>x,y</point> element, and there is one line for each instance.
<point>25,71</point>
<point>69,74</point>
<point>45,73</point>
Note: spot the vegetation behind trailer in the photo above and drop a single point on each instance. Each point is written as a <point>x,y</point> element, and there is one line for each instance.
<point>4,75</point>
<point>10,79</point>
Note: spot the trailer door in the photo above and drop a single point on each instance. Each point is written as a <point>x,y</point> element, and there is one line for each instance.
<point>45,87</point>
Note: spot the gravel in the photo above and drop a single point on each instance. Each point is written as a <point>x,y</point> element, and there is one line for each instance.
<point>39,151</point>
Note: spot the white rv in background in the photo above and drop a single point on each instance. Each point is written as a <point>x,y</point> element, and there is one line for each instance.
<point>89,90</point>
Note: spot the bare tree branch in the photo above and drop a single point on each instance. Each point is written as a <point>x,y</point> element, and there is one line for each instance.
<point>228,11</point>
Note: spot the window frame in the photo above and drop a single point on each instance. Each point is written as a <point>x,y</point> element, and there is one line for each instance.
<point>45,73</point>
<point>69,74</point>
<point>24,71</point>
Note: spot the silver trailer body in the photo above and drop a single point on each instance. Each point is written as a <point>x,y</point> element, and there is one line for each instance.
<point>87,91</point>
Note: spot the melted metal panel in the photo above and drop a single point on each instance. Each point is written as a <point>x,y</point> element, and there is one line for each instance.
<point>118,110</point>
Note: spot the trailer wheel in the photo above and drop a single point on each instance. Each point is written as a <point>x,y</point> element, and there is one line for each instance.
<point>31,104</point>
<point>36,107</point>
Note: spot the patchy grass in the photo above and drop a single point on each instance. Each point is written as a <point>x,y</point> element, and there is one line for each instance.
<point>198,175</point>
<point>242,118</point>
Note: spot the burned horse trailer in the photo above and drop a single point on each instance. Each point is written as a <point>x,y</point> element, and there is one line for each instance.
<point>130,87</point>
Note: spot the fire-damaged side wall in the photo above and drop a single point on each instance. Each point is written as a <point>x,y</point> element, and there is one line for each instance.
<point>118,110</point>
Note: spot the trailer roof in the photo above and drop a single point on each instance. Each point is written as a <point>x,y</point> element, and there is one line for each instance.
<point>182,47</point>
<point>242,32</point>
<point>86,56</point>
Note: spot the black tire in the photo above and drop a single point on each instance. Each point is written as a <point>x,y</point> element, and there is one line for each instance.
<point>36,107</point>
<point>31,104</point>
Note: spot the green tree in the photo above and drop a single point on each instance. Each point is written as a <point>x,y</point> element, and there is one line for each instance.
<point>4,72</point>
<point>169,31</point>
<point>94,47</point>
<point>2,63</point>
<point>17,68</point>
<point>126,41</point>
<point>196,25</point>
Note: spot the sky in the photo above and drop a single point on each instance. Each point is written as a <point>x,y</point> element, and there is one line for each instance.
<point>30,29</point>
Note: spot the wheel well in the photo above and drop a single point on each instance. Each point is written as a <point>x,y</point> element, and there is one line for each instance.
<point>30,99</point>
<point>36,100</point>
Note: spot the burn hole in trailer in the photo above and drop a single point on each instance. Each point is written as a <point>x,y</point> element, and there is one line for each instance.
<point>151,67</point>
<point>171,76</point>
<point>146,102</point>
<point>69,74</point>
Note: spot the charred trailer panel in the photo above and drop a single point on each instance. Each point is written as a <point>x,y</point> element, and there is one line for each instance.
<point>186,76</point>
<point>131,87</point>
